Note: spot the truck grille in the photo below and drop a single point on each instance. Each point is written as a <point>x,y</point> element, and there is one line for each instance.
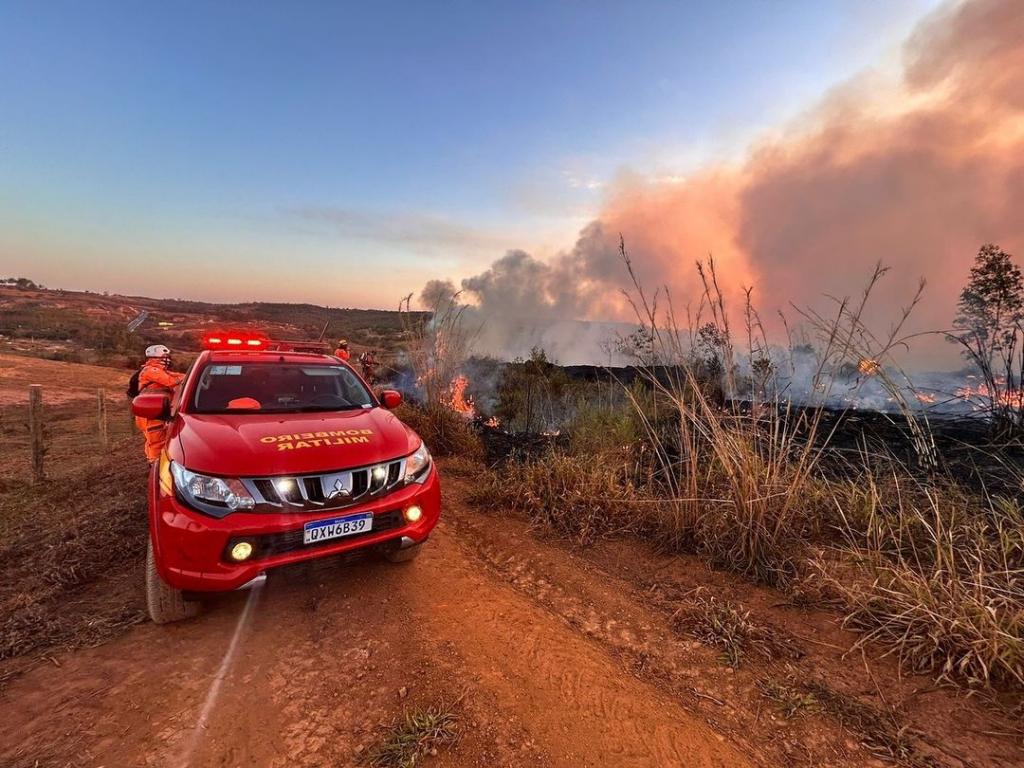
<point>327,490</point>
<point>270,544</point>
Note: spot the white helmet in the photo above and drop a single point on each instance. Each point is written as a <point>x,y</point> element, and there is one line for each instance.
<point>158,350</point>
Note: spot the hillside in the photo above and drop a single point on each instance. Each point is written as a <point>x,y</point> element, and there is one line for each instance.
<point>81,326</point>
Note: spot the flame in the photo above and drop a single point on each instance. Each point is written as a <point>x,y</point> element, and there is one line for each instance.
<point>1006,398</point>
<point>457,399</point>
<point>926,398</point>
<point>494,422</point>
<point>869,367</point>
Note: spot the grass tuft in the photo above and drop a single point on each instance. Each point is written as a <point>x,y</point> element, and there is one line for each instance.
<point>582,497</point>
<point>418,733</point>
<point>880,730</point>
<point>791,700</point>
<point>727,627</point>
<point>937,577</point>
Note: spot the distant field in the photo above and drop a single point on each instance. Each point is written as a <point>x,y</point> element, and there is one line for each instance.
<point>61,381</point>
<point>70,415</point>
<point>93,328</point>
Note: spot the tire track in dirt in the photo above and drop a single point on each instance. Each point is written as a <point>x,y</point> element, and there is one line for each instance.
<point>321,666</point>
<point>574,699</point>
<point>632,628</point>
<point>607,599</point>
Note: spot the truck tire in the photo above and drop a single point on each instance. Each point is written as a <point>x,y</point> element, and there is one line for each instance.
<point>164,602</point>
<point>404,555</point>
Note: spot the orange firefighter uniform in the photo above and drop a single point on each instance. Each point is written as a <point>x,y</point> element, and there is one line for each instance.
<point>342,352</point>
<point>154,378</point>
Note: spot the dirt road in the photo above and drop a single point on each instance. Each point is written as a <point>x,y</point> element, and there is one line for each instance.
<point>548,658</point>
<point>323,654</point>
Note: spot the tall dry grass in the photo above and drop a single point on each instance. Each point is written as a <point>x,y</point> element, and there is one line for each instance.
<point>926,569</point>
<point>931,572</point>
<point>741,475</point>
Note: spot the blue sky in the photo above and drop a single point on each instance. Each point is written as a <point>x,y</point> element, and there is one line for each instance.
<point>345,153</point>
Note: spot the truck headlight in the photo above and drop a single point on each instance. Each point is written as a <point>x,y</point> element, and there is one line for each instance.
<point>417,465</point>
<point>211,491</point>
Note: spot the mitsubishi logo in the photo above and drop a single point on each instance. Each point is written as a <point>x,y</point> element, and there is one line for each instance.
<point>339,491</point>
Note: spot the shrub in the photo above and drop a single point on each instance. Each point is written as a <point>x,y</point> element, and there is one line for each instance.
<point>445,432</point>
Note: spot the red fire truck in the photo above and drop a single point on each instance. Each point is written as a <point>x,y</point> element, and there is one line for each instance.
<point>276,453</point>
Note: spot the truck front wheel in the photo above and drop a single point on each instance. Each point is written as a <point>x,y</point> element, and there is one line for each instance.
<point>164,602</point>
<point>404,555</point>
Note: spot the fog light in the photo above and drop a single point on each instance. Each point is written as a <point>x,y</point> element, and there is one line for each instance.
<point>241,551</point>
<point>413,514</point>
<point>379,473</point>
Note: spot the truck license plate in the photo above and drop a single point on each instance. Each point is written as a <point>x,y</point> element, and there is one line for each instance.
<point>336,527</point>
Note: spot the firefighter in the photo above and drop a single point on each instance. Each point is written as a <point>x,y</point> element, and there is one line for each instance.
<point>342,351</point>
<point>155,377</point>
<point>368,361</point>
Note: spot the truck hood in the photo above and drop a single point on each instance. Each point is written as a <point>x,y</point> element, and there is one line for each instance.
<point>255,444</point>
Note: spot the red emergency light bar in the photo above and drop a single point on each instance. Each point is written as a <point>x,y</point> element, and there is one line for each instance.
<point>252,342</point>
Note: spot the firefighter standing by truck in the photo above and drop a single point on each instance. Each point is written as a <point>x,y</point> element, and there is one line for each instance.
<point>155,377</point>
<point>342,352</point>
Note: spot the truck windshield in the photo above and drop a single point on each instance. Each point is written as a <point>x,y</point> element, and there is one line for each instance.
<point>278,388</point>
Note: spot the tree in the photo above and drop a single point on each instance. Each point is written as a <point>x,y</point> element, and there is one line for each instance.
<point>637,346</point>
<point>533,394</point>
<point>989,326</point>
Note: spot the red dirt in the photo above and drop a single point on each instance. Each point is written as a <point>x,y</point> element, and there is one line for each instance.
<point>549,656</point>
<point>322,664</point>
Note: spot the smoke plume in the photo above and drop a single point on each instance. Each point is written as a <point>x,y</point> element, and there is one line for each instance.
<point>915,171</point>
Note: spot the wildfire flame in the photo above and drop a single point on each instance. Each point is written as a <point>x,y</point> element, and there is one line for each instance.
<point>1008,398</point>
<point>457,399</point>
<point>869,367</point>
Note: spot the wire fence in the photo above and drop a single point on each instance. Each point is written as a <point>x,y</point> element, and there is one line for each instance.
<point>55,432</point>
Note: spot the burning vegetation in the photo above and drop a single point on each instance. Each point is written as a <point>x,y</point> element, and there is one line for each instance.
<point>869,367</point>
<point>456,397</point>
<point>706,445</point>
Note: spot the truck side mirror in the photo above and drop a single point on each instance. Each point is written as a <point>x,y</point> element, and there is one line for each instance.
<point>390,398</point>
<point>154,406</point>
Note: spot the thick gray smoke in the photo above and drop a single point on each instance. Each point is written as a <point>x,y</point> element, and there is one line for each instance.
<point>915,172</point>
<point>522,302</point>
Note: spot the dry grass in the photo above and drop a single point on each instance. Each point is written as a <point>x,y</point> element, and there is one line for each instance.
<point>56,547</point>
<point>743,485</point>
<point>727,627</point>
<point>937,577</point>
<point>436,347</point>
<point>583,497</point>
<point>418,733</point>
<point>939,585</point>
<point>461,466</point>
<point>880,730</point>
<point>931,572</point>
<point>791,700</point>
<point>445,432</point>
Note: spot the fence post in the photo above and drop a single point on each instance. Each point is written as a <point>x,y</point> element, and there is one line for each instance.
<point>101,415</point>
<point>35,426</point>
